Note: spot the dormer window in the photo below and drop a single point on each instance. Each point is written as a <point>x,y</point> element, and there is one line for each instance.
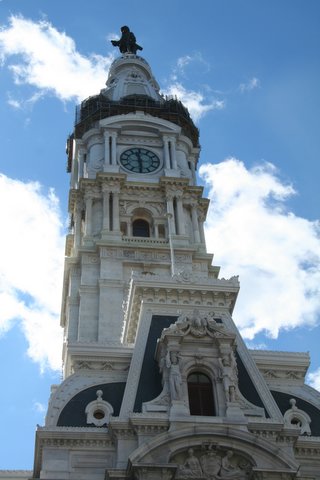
<point>200,394</point>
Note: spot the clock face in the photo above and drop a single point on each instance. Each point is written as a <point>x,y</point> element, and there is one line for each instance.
<point>139,160</point>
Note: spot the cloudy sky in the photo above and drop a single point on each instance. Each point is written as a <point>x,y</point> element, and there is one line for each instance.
<point>249,72</point>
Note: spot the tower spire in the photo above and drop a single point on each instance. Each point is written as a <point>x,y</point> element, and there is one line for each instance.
<point>158,383</point>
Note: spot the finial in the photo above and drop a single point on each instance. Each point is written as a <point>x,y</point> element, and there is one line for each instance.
<point>293,402</point>
<point>99,394</point>
<point>127,42</point>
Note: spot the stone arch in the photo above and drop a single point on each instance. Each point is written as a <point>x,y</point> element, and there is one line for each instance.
<point>142,222</point>
<point>200,394</point>
<point>262,455</point>
<point>206,367</point>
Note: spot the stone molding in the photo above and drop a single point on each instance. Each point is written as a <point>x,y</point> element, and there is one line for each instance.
<point>201,292</point>
<point>282,367</point>
<point>263,455</point>
<point>70,438</point>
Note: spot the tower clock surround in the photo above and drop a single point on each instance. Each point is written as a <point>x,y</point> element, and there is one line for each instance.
<point>139,160</point>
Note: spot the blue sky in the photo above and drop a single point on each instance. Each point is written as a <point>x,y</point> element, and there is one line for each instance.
<point>249,71</point>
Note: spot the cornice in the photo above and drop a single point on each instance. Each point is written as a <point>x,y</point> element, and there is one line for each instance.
<point>174,181</point>
<point>308,447</point>
<point>70,437</point>
<point>181,291</point>
<point>278,368</point>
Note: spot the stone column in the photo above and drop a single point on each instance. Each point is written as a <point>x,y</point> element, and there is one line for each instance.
<point>106,210</point>
<point>116,211</point>
<point>173,153</point>
<point>129,228</point>
<point>201,228</point>
<point>113,148</point>
<point>77,228</point>
<point>107,159</point>
<point>81,154</point>
<point>171,230</point>
<point>156,230</point>
<point>166,153</point>
<point>170,215</point>
<point>195,223</point>
<point>180,215</point>
<point>193,170</point>
<point>88,202</point>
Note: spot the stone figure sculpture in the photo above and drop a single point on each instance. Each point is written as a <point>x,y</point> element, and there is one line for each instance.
<point>191,467</point>
<point>213,465</point>
<point>175,380</point>
<point>229,377</point>
<point>127,42</point>
<point>228,470</point>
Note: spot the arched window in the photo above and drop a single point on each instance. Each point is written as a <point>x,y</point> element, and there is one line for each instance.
<point>200,394</point>
<point>140,228</point>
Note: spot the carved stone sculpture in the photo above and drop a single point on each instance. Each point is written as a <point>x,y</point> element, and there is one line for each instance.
<point>229,376</point>
<point>229,470</point>
<point>211,463</point>
<point>175,380</point>
<point>191,467</point>
<point>214,464</point>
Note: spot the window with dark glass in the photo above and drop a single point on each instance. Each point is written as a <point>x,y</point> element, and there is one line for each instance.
<point>140,228</point>
<point>200,394</point>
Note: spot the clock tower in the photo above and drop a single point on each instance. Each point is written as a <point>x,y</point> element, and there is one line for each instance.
<point>158,383</point>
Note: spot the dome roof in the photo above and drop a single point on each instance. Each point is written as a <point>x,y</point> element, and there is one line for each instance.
<point>131,75</point>
<point>131,87</point>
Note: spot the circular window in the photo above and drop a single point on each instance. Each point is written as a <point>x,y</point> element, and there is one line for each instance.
<point>99,414</point>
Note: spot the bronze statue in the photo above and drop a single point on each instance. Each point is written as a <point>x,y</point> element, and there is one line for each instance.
<point>127,42</point>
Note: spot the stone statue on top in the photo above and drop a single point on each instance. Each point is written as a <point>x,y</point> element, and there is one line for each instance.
<point>127,42</point>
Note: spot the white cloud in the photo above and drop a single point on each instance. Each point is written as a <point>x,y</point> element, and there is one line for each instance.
<point>182,62</point>
<point>112,36</point>
<point>32,267</point>
<point>39,55</point>
<point>253,83</point>
<point>194,58</point>
<point>194,101</point>
<point>39,407</point>
<point>275,253</point>
<point>48,60</point>
<point>313,379</point>
<point>14,103</point>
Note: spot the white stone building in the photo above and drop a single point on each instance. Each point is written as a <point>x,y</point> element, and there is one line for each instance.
<point>158,383</point>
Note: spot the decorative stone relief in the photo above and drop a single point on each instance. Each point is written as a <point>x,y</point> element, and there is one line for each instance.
<point>212,463</point>
<point>98,365</point>
<point>197,325</point>
<point>178,355</point>
<point>294,417</point>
